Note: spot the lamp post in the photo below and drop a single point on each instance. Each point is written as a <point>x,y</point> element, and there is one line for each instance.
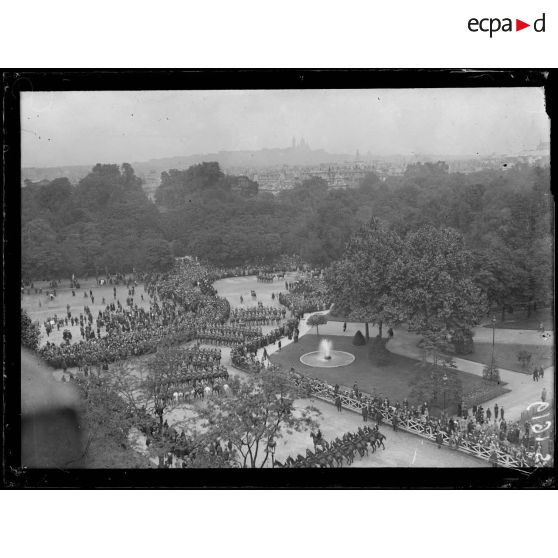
<point>493,337</point>
<point>445,383</point>
<point>272,445</point>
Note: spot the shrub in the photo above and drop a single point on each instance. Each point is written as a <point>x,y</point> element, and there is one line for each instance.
<point>30,331</point>
<point>524,357</point>
<point>358,339</point>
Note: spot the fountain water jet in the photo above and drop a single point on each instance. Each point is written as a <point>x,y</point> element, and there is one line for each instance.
<point>325,349</point>
<point>326,357</point>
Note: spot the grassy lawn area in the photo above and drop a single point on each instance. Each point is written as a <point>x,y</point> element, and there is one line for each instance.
<point>334,318</point>
<point>391,380</point>
<point>505,355</point>
<point>519,320</point>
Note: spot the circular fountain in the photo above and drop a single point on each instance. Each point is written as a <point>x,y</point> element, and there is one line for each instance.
<point>326,357</point>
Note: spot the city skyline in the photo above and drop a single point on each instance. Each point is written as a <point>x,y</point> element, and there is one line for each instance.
<point>82,128</point>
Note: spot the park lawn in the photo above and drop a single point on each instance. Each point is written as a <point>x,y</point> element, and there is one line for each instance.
<point>391,380</point>
<point>336,318</point>
<point>519,320</point>
<point>505,355</point>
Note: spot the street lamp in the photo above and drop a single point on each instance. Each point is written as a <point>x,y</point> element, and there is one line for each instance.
<point>272,445</point>
<point>493,336</point>
<point>445,383</point>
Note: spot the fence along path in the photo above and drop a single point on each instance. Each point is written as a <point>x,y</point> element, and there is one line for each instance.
<point>324,392</point>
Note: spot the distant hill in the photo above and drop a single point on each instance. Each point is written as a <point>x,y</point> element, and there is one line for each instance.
<point>150,171</point>
<point>292,156</point>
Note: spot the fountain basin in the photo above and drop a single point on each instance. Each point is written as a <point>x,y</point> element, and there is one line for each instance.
<point>333,360</point>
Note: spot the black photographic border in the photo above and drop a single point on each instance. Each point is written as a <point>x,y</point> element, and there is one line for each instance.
<point>14,82</point>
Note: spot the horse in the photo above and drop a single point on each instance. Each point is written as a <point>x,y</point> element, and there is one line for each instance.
<point>318,440</point>
<point>362,447</point>
<point>289,462</point>
<point>348,452</point>
<point>380,440</point>
<point>325,460</point>
<point>337,456</point>
<point>299,459</point>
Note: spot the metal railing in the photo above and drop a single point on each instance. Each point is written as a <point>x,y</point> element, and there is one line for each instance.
<point>413,426</point>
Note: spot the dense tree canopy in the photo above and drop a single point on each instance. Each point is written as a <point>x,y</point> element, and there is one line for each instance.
<point>505,219</point>
<point>361,283</point>
<point>105,223</point>
<point>433,283</point>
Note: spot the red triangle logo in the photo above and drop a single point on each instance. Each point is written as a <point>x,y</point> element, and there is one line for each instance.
<point>519,25</point>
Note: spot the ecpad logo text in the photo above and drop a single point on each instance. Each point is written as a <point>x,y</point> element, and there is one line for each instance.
<point>493,25</point>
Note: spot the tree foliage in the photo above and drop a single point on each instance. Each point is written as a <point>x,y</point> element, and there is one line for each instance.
<point>104,223</point>
<point>505,219</point>
<point>361,283</point>
<point>434,285</point>
<point>110,410</point>
<point>30,331</point>
<point>316,320</point>
<point>261,413</point>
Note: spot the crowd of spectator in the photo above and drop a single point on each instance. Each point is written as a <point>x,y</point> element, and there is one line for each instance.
<point>305,295</point>
<point>484,427</point>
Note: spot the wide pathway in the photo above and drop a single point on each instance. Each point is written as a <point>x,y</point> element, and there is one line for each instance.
<point>402,449</point>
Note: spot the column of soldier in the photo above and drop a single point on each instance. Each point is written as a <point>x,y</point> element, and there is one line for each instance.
<point>198,364</point>
<point>244,356</point>
<point>262,315</point>
<point>180,311</point>
<point>134,331</point>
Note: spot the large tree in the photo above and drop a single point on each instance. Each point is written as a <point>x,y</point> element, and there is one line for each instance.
<point>434,286</point>
<point>110,411</point>
<point>257,416</point>
<point>361,283</point>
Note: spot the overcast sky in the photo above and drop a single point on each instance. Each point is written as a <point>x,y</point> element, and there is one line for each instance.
<point>82,128</point>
